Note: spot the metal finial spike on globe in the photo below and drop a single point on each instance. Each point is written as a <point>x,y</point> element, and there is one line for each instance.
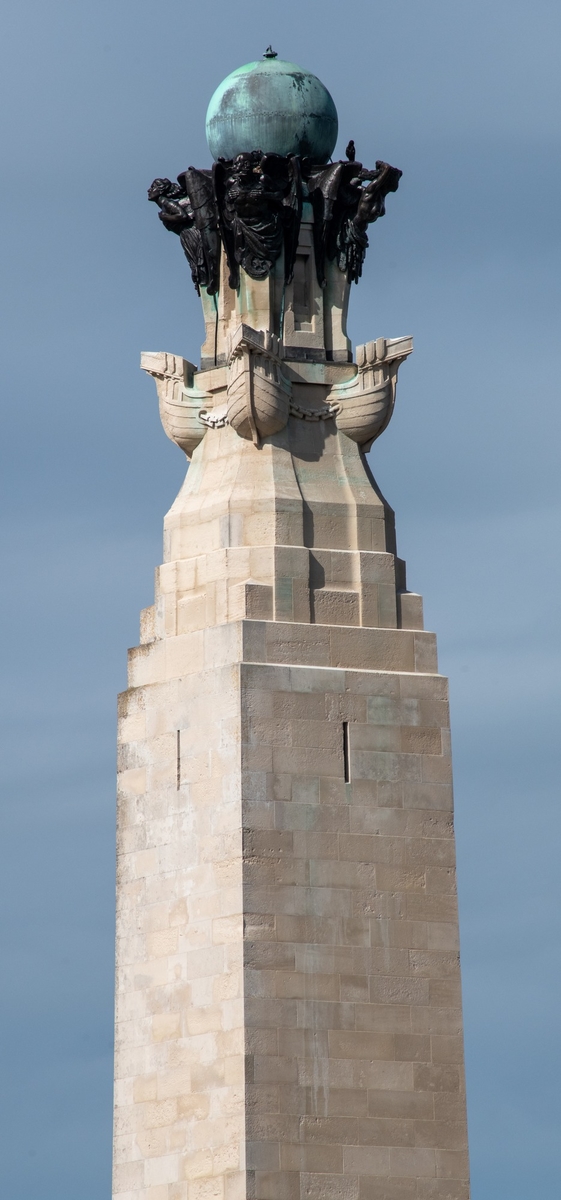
<point>270,53</point>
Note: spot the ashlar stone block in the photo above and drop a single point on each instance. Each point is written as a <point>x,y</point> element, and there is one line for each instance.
<point>288,999</point>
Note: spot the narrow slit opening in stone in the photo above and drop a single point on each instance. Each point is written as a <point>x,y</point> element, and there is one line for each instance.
<point>346,755</point>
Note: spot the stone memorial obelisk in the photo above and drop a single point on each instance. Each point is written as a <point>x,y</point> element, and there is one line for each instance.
<point>288,985</point>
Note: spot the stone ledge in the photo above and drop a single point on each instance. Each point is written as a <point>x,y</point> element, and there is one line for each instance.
<point>284,643</point>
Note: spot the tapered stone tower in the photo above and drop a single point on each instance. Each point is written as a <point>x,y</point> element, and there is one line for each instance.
<point>288,985</point>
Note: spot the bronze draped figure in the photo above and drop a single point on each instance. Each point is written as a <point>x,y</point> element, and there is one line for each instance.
<point>253,205</point>
<point>259,201</point>
<point>343,209</point>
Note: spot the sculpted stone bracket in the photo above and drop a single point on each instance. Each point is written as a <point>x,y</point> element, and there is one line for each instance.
<point>180,402</point>
<point>258,395</point>
<point>366,403</point>
<point>253,206</point>
<point>254,396</point>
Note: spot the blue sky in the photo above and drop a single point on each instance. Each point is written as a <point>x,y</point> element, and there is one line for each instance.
<point>96,100</point>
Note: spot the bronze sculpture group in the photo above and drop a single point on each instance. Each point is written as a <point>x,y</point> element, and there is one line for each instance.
<point>253,206</point>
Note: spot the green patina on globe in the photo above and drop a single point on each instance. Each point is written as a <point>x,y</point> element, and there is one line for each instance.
<point>273,106</point>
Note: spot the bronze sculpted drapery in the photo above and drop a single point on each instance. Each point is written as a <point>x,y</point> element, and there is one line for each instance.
<point>259,201</point>
<point>343,209</point>
<point>253,204</point>
<point>188,208</point>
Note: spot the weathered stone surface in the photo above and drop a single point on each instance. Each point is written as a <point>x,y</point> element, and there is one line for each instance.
<point>282,941</point>
<point>288,1012</point>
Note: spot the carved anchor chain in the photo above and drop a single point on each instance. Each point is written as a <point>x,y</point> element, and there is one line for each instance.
<point>259,398</point>
<point>325,413</point>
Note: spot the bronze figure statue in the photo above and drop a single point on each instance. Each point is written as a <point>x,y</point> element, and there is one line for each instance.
<point>343,209</point>
<point>259,198</point>
<point>188,209</point>
<point>352,239</point>
<point>253,206</point>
